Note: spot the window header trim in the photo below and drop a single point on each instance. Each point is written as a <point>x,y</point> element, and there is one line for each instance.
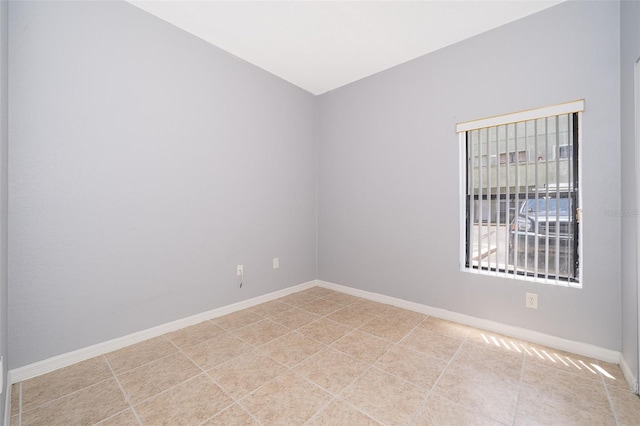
<point>531,114</point>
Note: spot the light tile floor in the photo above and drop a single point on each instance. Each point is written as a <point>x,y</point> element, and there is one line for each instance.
<point>319,357</point>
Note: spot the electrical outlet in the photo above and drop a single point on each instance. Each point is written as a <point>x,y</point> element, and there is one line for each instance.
<point>239,271</point>
<point>531,300</point>
<point>276,262</point>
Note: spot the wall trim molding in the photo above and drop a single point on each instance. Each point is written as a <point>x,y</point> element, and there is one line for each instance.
<point>628,375</point>
<point>64,360</point>
<point>579,348</point>
<point>60,361</point>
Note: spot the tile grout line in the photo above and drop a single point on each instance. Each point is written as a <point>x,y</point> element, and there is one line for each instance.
<point>235,401</point>
<point>172,387</point>
<point>162,337</point>
<point>145,364</point>
<point>111,417</point>
<point>320,410</point>
<point>66,395</point>
<point>291,370</point>
<point>335,397</point>
<point>178,350</point>
<point>203,371</point>
<point>20,405</point>
<point>371,365</point>
<point>302,377</point>
<point>515,411</point>
<point>444,370</point>
<point>610,399</point>
<point>126,396</point>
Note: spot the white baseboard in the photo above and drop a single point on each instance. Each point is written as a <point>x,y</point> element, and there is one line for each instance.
<point>64,360</point>
<point>628,375</point>
<point>579,348</point>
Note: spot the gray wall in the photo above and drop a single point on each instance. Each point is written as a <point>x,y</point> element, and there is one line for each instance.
<point>389,204</point>
<point>4,143</point>
<point>629,54</point>
<point>144,165</point>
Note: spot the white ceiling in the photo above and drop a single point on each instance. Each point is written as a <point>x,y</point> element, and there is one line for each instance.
<point>322,45</point>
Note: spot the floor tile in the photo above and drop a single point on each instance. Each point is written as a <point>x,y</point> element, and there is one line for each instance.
<point>505,364</point>
<point>269,309</point>
<point>318,292</point>
<point>287,399</point>
<point>322,357</point>
<point>232,416</point>
<point>403,316</point>
<point>15,398</point>
<point>415,367</point>
<point>363,346</point>
<point>384,397</point>
<point>341,298</point>
<point>489,338</point>
<point>388,328</point>
<point>571,363</point>
<point>50,386</point>
<point>294,318</point>
<point>159,375</point>
<point>446,328</point>
<point>350,317</point>
<point>321,307</point>
<point>190,403</point>
<point>297,299</point>
<point>84,407</point>
<point>125,418</point>
<point>139,354</point>
<point>331,370</point>
<point>261,332</point>
<point>245,373</point>
<point>612,375</point>
<point>431,343</point>
<point>480,390</point>
<point>440,411</point>
<point>324,330</point>
<point>369,307</point>
<point>626,405</point>
<point>195,334</point>
<point>216,351</point>
<point>578,400</point>
<point>291,348</point>
<point>341,413</point>
<point>237,320</point>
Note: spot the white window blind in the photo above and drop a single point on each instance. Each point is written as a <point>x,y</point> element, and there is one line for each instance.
<point>521,194</point>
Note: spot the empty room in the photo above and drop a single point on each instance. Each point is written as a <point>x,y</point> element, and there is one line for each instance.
<point>319,212</point>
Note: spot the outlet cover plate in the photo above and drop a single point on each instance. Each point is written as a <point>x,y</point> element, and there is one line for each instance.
<point>531,300</point>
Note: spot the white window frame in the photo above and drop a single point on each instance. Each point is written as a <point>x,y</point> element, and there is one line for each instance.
<point>532,114</point>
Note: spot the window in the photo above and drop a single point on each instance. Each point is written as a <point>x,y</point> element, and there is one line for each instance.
<point>521,213</point>
<point>513,156</point>
<point>563,151</point>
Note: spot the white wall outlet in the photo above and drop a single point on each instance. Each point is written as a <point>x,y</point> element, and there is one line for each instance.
<point>276,262</point>
<point>239,271</point>
<point>531,300</point>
